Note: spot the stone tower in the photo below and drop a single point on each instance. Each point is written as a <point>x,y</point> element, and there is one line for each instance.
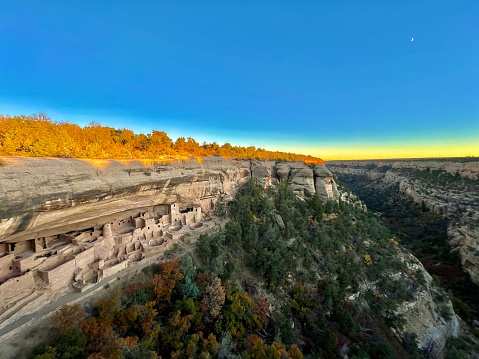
<point>107,231</point>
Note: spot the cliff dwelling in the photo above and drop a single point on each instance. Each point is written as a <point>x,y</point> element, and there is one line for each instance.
<point>82,257</point>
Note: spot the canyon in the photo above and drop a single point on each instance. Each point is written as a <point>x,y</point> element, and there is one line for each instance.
<point>449,188</point>
<point>66,224</point>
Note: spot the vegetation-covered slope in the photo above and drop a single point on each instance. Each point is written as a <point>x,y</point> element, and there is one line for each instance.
<point>424,232</point>
<point>282,279</point>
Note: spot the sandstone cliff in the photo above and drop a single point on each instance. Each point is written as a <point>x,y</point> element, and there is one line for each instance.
<point>69,222</point>
<point>424,315</point>
<point>469,169</point>
<point>65,221</point>
<point>447,188</point>
<point>40,196</point>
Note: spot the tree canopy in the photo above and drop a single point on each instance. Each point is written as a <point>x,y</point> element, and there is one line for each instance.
<point>258,288</point>
<point>38,136</point>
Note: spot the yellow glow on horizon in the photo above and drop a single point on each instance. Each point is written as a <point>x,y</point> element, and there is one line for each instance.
<point>377,152</point>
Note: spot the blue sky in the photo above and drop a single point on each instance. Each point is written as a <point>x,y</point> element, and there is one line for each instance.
<point>333,79</point>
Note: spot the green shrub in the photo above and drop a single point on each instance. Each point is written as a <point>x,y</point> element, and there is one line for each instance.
<point>455,353</point>
<point>446,312</point>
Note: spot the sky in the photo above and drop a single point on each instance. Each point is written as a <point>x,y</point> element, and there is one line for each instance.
<point>334,79</point>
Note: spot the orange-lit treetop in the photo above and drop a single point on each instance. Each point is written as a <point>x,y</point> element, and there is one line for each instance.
<point>38,136</point>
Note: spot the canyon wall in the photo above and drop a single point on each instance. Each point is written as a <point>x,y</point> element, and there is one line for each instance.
<point>447,188</point>
<point>47,196</point>
<point>465,168</point>
<point>71,223</point>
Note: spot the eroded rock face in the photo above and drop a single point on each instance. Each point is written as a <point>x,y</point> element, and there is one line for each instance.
<point>301,178</point>
<point>324,183</point>
<point>41,196</point>
<point>469,169</point>
<point>48,197</point>
<point>446,188</point>
<point>423,314</point>
<point>69,222</point>
<point>449,189</point>
<point>465,240</point>
<point>298,176</point>
<point>433,321</point>
<point>264,172</point>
